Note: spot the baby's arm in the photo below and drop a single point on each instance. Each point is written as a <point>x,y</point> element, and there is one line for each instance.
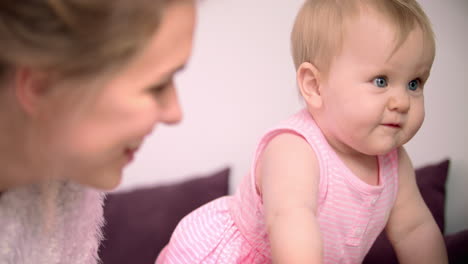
<point>288,177</point>
<point>412,230</point>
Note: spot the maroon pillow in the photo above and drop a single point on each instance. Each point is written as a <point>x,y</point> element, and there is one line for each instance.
<point>457,247</point>
<point>140,222</point>
<point>431,182</point>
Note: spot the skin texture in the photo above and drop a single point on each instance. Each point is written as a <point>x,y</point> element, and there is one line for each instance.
<point>89,130</point>
<point>360,120</point>
<point>411,228</point>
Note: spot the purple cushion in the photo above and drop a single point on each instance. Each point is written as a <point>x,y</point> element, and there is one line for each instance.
<point>431,182</point>
<point>457,247</point>
<point>140,222</point>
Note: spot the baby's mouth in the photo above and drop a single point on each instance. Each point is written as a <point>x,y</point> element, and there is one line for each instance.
<point>392,125</point>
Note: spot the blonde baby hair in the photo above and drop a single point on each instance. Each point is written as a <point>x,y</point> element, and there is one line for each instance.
<point>318,31</point>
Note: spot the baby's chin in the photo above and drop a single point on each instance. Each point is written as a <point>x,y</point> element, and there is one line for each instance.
<point>381,149</point>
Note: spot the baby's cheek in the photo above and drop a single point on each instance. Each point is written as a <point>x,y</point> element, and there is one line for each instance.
<point>415,124</point>
<point>420,114</point>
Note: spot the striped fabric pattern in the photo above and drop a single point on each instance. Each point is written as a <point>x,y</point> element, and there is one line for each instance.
<point>351,213</point>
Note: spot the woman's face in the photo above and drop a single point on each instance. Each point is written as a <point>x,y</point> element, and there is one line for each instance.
<point>93,140</point>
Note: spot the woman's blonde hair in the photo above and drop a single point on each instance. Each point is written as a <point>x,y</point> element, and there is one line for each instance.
<point>319,27</point>
<point>74,37</point>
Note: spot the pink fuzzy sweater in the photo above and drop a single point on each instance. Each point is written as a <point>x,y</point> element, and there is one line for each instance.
<point>63,228</point>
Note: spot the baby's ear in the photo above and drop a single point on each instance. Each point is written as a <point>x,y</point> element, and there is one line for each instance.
<point>308,79</point>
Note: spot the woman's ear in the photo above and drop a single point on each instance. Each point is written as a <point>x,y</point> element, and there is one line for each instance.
<point>31,89</point>
<point>308,79</point>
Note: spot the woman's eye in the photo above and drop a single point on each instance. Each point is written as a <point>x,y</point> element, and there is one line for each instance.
<point>160,89</point>
<point>414,85</point>
<point>380,82</point>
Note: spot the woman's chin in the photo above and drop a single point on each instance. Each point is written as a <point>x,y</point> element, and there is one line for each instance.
<point>107,181</point>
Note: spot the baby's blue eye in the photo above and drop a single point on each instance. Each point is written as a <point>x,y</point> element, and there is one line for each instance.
<point>413,85</point>
<point>380,82</point>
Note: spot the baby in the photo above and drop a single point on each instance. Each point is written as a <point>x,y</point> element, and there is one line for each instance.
<point>326,182</point>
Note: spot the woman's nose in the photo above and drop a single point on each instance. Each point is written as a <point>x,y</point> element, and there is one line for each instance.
<point>172,112</point>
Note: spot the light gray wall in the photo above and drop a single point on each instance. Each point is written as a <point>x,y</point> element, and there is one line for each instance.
<point>240,81</point>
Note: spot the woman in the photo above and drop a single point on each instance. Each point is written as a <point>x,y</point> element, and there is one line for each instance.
<point>81,85</point>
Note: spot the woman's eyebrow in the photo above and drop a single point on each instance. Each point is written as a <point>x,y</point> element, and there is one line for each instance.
<point>168,75</point>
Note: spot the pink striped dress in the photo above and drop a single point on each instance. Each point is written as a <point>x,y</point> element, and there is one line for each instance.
<point>351,213</point>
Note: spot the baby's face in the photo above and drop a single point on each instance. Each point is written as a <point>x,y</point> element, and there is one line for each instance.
<point>373,98</point>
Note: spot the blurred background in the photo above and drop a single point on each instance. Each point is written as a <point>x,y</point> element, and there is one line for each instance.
<point>241,81</point>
